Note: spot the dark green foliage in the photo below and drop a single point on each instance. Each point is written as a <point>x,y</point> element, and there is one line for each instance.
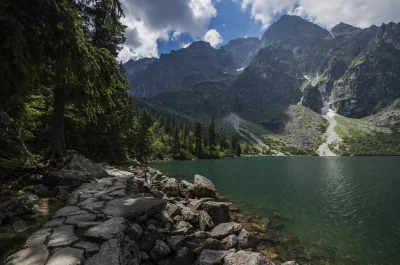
<point>212,136</point>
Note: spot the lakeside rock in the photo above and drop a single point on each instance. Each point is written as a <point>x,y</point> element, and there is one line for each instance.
<point>116,220</point>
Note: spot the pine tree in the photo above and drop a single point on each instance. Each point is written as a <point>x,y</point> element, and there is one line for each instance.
<point>176,146</point>
<point>212,136</point>
<point>238,150</point>
<point>143,136</point>
<point>198,135</point>
<point>233,142</point>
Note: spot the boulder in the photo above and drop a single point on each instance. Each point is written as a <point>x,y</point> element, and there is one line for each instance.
<point>54,223</point>
<point>203,187</point>
<point>213,257</point>
<point>225,229</point>
<point>149,238</point>
<point>144,256</point>
<point>205,221</point>
<point>65,211</point>
<point>190,216</point>
<point>131,207</point>
<point>198,204</point>
<point>229,242</point>
<point>183,256</point>
<point>290,263</point>
<point>19,225</point>
<point>18,206</point>
<point>160,251</point>
<point>35,255</point>
<point>186,189</point>
<point>212,243</point>
<point>246,239</point>
<point>67,256</point>
<point>173,210</point>
<point>63,235</point>
<point>171,187</point>
<point>117,251</point>
<point>183,227</point>
<point>89,247</point>
<point>218,211</point>
<point>106,230</point>
<point>134,232</point>
<point>175,242</point>
<point>249,258</point>
<point>74,219</point>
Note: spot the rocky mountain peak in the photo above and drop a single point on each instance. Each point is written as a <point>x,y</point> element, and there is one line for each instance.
<point>343,28</point>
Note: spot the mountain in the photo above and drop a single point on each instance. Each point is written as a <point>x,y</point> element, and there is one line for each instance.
<point>353,71</point>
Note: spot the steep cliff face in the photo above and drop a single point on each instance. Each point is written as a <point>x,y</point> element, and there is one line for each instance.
<point>371,82</point>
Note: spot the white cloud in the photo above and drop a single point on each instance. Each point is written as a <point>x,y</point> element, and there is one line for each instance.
<point>360,13</point>
<point>149,21</point>
<point>213,37</point>
<point>185,45</point>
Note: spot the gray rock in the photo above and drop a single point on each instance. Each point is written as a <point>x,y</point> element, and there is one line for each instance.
<point>74,219</point>
<point>212,243</point>
<point>132,207</point>
<point>171,187</point>
<point>38,238</point>
<point>89,247</point>
<point>63,235</point>
<point>175,242</point>
<point>87,224</point>
<point>173,210</point>
<point>144,256</point>
<point>203,187</point>
<point>67,256</point>
<point>225,229</point>
<point>54,223</point>
<point>18,206</point>
<point>198,204</point>
<point>65,211</point>
<point>183,227</point>
<point>218,211</point>
<point>213,257</point>
<point>149,238</point>
<point>117,193</point>
<point>160,251</point>
<point>19,225</point>
<point>186,189</point>
<point>246,239</point>
<point>72,198</point>
<point>229,242</point>
<point>35,255</point>
<point>135,232</point>
<point>107,191</point>
<point>190,215</point>
<point>61,191</point>
<point>205,221</point>
<point>183,256</point>
<point>94,206</point>
<point>106,230</point>
<point>290,263</point>
<point>117,251</point>
<point>249,258</point>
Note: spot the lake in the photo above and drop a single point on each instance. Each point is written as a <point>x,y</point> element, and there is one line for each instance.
<point>347,208</point>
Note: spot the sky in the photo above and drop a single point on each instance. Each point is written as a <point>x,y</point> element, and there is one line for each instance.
<point>159,26</point>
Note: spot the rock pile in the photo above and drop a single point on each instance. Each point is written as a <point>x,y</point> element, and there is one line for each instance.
<point>141,217</point>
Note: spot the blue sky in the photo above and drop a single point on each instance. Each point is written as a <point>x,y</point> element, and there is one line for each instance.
<point>159,26</point>
<point>231,23</point>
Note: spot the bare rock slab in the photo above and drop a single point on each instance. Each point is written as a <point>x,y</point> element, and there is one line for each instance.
<point>67,256</point>
<point>62,236</point>
<point>89,247</point>
<point>226,229</point>
<point>106,230</point>
<point>36,255</point>
<point>248,258</point>
<point>38,238</point>
<point>130,208</point>
<point>213,257</point>
<point>54,223</point>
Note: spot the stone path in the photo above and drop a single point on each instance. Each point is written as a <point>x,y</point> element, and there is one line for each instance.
<point>140,217</point>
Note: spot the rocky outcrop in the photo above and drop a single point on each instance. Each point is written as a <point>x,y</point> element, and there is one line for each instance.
<point>18,206</point>
<point>100,227</point>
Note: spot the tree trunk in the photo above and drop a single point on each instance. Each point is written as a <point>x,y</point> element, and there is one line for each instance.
<point>57,144</point>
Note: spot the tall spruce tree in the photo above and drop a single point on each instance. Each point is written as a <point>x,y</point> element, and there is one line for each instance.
<point>212,136</point>
<point>176,145</point>
<point>198,137</point>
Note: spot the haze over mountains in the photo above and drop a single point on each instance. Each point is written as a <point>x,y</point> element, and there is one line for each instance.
<point>355,72</point>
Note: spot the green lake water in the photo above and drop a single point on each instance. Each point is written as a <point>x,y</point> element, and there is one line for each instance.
<point>344,208</point>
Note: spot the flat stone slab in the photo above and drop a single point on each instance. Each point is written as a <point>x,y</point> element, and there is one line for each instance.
<point>89,247</point>
<point>36,255</point>
<point>226,229</point>
<point>63,235</point>
<point>74,219</point>
<point>67,256</point>
<point>38,238</point>
<point>54,223</point>
<point>129,207</point>
<point>87,224</point>
<point>106,230</point>
<point>65,211</point>
<point>94,206</point>
<point>213,257</point>
<point>248,258</point>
